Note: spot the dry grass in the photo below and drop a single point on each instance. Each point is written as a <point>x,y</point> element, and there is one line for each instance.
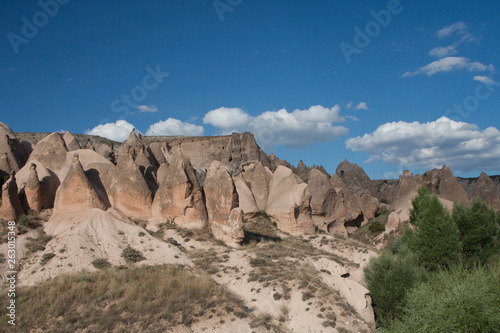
<point>147,298</point>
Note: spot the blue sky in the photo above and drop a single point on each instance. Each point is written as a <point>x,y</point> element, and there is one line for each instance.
<point>276,68</point>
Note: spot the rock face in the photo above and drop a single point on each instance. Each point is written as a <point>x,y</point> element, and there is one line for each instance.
<point>246,198</point>
<point>289,202</point>
<point>487,192</point>
<point>11,208</point>
<point>50,151</point>
<point>354,175</point>
<point>179,196</point>
<point>132,146</point>
<point>225,218</point>
<point>443,183</point>
<point>323,194</point>
<point>129,192</point>
<point>346,210</point>
<point>33,190</point>
<point>13,156</point>
<point>258,177</point>
<point>76,194</point>
<point>106,152</point>
<point>70,141</point>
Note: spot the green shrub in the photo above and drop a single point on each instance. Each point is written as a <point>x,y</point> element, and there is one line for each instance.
<point>376,227</point>
<point>389,278</point>
<point>46,258</point>
<point>458,300</point>
<point>38,243</point>
<point>101,263</point>
<point>131,255</point>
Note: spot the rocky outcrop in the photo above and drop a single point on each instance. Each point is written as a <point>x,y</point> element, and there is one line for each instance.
<point>179,196</point>
<point>33,190</point>
<point>487,192</point>
<point>76,194</point>
<point>346,210</point>
<point>155,151</point>
<point>88,145</point>
<point>106,152</point>
<point>443,183</point>
<point>132,146</point>
<point>354,175</point>
<point>225,218</point>
<point>322,192</point>
<point>129,191</point>
<point>13,156</point>
<point>11,208</point>
<point>258,177</point>
<point>289,202</point>
<point>50,151</point>
<point>70,141</point>
<point>304,172</point>
<point>276,161</point>
<point>148,170</point>
<point>246,198</point>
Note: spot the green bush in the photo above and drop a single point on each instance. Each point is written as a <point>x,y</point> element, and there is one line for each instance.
<point>101,263</point>
<point>46,258</point>
<point>458,300</point>
<point>436,238</point>
<point>376,227</point>
<point>131,255</point>
<point>479,231</point>
<point>389,278</point>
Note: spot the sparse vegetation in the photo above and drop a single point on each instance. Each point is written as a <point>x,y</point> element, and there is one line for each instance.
<point>131,255</point>
<point>38,243</point>
<point>101,263</point>
<point>46,258</point>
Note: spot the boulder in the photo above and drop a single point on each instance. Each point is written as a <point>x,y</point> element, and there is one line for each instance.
<point>487,191</point>
<point>289,202</point>
<point>70,141</point>
<point>224,218</point>
<point>11,208</point>
<point>33,190</point>
<point>258,177</point>
<point>76,194</point>
<point>129,191</point>
<point>179,196</point>
<point>245,196</point>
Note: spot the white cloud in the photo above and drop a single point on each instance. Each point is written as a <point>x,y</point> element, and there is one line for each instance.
<point>296,129</point>
<point>117,131</point>
<point>362,106</point>
<point>460,145</point>
<point>449,64</point>
<point>173,126</point>
<point>484,79</point>
<point>440,52</point>
<point>349,105</point>
<point>227,118</point>
<point>459,27</point>
<point>147,108</point>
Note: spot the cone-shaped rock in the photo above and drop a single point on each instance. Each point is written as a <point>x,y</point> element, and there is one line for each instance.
<point>132,146</point>
<point>179,196</point>
<point>259,178</point>
<point>245,197</point>
<point>13,153</point>
<point>221,198</point>
<point>33,190</point>
<point>289,202</point>
<point>354,175</point>
<point>487,191</point>
<point>322,192</point>
<point>129,191</point>
<point>76,194</point>
<point>88,145</point>
<point>50,151</point>
<point>148,169</point>
<point>11,208</point>
<point>106,151</point>
<point>444,184</point>
<point>70,141</point>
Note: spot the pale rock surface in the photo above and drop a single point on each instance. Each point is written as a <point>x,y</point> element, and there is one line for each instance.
<point>224,217</point>
<point>33,190</point>
<point>106,151</point>
<point>245,196</point>
<point>11,208</point>
<point>354,175</point>
<point>259,177</point>
<point>88,145</point>
<point>13,155</point>
<point>179,195</point>
<point>289,202</point>
<point>443,183</point>
<point>70,141</point>
<point>487,191</point>
<point>128,191</point>
<point>50,151</point>
<point>76,194</point>
<point>323,193</point>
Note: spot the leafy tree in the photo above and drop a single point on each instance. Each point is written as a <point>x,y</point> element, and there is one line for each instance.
<point>478,229</point>
<point>389,278</point>
<point>435,240</point>
<point>458,300</point>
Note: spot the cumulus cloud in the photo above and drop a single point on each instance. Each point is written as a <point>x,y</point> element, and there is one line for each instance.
<point>484,79</point>
<point>173,126</point>
<point>440,51</point>
<point>362,106</point>
<point>460,145</point>
<point>449,64</point>
<point>233,119</point>
<point>147,108</point>
<point>296,129</point>
<point>459,27</point>
<point>117,131</point>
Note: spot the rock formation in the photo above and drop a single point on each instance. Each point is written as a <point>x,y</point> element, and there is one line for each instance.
<point>70,141</point>
<point>179,196</point>
<point>88,145</point>
<point>106,152</point>
<point>11,208</point>
<point>246,198</point>
<point>148,170</point>
<point>129,191</point>
<point>354,175</point>
<point>33,190</point>
<point>443,183</point>
<point>323,194</point>
<point>346,211</point>
<point>132,146</point>
<point>258,178</point>
<point>50,151</point>
<point>289,202</point>
<point>224,216</point>
<point>487,192</point>
<point>13,156</point>
<point>76,194</point>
